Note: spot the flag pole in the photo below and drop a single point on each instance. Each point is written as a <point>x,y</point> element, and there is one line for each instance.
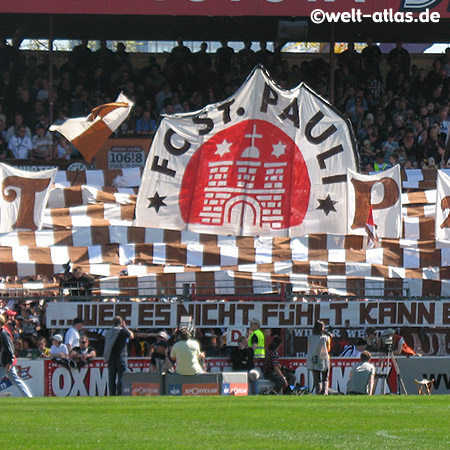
<point>50,69</point>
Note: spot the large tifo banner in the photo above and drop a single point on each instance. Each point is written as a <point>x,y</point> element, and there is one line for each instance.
<point>238,314</point>
<point>266,161</point>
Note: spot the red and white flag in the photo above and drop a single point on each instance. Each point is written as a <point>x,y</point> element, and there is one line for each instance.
<point>371,229</point>
<point>266,161</point>
<point>89,133</point>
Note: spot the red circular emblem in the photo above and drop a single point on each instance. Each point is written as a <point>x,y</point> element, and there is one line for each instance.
<point>251,174</point>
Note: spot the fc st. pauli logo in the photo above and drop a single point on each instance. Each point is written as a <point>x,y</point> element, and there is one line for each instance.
<point>250,173</point>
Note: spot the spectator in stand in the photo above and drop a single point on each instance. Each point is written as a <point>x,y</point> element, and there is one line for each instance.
<point>42,346</point>
<point>2,129</point>
<point>29,323</point>
<point>354,351</point>
<point>146,125</point>
<point>371,56</point>
<point>180,54</point>
<point>20,144</point>
<point>82,56</point>
<point>79,283</point>
<point>160,360</point>
<point>82,354</point>
<point>58,351</point>
<point>246,59</point>
<point>72,336</point>
<point>18,123</point>
<point>175,102</point>
<point>400,56</point>
<point>80,106</point>
<point>351,59</point>
<point>224,58</point>
<point>4,152</point>
<point>29,349</point>
<point>161,96</point>
<point>121,57</point>
<point>104,57</point>
<point>63,148</point>
<point>443,120</point>
<point>264,56</point>
<point>43,93</point>
<point>42,144</point>
<point>214,346</point>
<point>201,59</point>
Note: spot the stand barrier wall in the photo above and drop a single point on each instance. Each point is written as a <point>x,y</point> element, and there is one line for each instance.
<point>46,378</point>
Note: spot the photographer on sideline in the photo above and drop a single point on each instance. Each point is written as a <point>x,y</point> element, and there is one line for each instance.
<point>373,342</point>
<point>399,346</point>
<point>187,354</point>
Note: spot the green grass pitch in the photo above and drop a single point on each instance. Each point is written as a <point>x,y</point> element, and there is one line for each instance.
<point>260,422</point>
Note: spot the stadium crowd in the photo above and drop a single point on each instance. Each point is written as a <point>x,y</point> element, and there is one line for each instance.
<point>400,117</point>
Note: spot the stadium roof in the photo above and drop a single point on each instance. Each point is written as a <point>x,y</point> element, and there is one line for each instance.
<point>215,19</point>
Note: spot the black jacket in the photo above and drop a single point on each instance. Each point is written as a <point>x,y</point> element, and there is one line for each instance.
<point>6,348</point>
<point>242,359</point>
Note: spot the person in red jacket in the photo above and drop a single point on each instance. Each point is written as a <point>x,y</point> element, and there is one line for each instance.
<point>399,346</point>
<point>7,357</point>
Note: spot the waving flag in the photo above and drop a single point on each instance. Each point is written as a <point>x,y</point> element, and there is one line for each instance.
<point>266,161</point>
<point>89,133</point>
<point>379,194</point>
<point>23,197</point>
<point>371,229</point>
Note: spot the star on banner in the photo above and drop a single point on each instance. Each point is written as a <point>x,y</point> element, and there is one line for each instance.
<point>223,148</point>
<point>278,149</point>
<point>156,202</point>
<point>326,205</point>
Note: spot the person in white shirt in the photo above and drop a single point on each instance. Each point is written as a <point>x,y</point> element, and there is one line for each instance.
<point>20,145</point>
<point>18,122</point>
<point>58,351</point>
<point>362,375</point>
<point>42,143</point>
<point>354,351</point>
<point>187,354</point>
<point>72,337</point>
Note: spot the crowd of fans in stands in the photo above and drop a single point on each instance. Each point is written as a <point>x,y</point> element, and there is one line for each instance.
<point>402,117</point>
